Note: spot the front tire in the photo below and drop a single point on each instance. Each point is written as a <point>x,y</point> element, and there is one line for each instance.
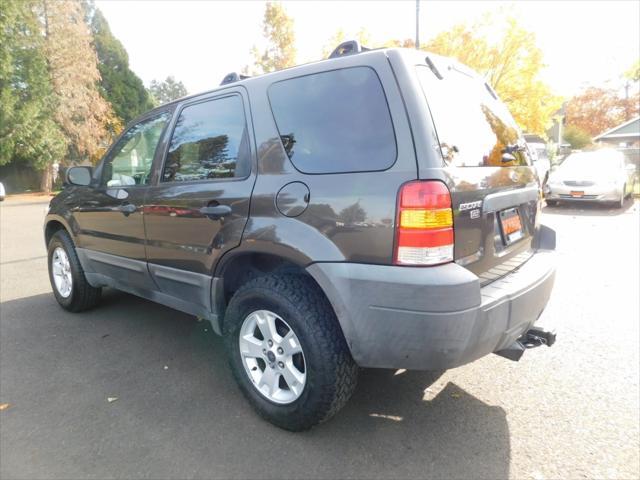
<point>294,384</point>
<point>69,285</point>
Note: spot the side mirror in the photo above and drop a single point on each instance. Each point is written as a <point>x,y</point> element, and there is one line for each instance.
<point>80,176</point>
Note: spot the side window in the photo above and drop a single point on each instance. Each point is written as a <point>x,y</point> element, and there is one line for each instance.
<point>210,141</point>
<point>474,127</point>
<point>336,121</point>
<point>130,161</point>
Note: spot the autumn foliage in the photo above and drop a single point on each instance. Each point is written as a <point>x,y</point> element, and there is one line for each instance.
<point>280,51</point>
<point>504,53</point>
<point>597,110</point>
<point>507,56</point>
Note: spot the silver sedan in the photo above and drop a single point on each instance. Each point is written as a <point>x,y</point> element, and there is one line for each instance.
<point>595,176</point>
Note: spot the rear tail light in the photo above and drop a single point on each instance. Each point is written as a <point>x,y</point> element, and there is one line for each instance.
<point>424,229</point>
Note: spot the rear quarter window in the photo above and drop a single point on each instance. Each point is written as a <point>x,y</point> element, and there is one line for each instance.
<point>334,122</point>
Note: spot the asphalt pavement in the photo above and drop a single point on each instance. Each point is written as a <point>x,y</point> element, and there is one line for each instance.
<point>134,390</point>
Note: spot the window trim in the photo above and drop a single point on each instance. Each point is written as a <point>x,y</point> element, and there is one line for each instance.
<point>386,100</point>
<point>198,101</point>
<point>108,156</point>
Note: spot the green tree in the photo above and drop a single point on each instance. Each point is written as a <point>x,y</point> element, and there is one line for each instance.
<point>27,102</point>
<point>119,85</point>
<point>83,115</point>
<point>277,28</point>
<point>576,137</point>
<point>167,90</point>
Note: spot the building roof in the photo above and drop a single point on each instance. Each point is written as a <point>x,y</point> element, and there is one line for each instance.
<point>630,128</point>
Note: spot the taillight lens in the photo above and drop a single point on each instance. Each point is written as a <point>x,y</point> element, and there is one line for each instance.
<point>424,230</point>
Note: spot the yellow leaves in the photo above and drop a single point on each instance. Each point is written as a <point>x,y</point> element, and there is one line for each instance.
<point>277,28</point>
<point>510,61</point>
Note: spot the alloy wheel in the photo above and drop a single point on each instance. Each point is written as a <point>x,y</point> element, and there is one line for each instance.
<point>272,357</point>
<point>61,270</point>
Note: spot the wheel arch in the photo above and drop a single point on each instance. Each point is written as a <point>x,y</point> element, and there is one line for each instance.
<point>53,224</point>
<point>235,270</point>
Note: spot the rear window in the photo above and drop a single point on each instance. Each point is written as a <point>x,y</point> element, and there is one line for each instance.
<point>335,121</point>
<point>474,128</point>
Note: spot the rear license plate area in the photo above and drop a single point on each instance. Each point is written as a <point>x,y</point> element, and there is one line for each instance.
<point>577,194</point>
<point>510,225</point>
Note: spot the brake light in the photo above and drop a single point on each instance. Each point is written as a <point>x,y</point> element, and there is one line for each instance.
<point>424,226</point>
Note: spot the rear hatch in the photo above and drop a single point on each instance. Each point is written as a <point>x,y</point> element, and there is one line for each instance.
<point>487,167</point>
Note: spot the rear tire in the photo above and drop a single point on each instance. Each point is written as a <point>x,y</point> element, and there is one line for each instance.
<point>330,374</point>
<point>552,203</point>
<point>75,295</point>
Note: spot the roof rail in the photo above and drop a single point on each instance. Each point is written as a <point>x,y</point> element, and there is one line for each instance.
<point>233,77</point>
<point>350,47</point>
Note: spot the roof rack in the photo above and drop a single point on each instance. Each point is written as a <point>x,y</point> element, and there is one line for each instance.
<point>350,47</point>
<point>233,77</point>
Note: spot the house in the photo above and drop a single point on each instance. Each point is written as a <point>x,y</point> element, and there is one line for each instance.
<point>626,138</point>
<point>625,135</point>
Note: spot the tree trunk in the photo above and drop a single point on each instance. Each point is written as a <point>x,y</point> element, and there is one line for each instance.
<point>46,179</point>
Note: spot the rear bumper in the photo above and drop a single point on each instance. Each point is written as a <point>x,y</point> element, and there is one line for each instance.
<point>433,318</point>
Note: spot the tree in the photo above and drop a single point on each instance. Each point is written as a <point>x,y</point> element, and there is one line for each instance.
<point>406,43</point>
<point>277,28</point>
<point>576,137</point>
<point>596,110</point>
<point>83,115</point>
<point>507,56</point>
<point>634,72</point>
<point>27,103</point>
<point>362,36</point>
<point>119,85</point>
<point>167,90</point>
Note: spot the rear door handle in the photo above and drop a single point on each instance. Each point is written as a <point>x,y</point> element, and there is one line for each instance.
<point>216,212</point>
<point>127,209</point>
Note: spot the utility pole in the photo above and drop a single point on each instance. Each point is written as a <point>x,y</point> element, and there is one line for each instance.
<point>417,24</point>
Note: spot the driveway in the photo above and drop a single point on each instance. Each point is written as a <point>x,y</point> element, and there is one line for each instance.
<point>569,411</point>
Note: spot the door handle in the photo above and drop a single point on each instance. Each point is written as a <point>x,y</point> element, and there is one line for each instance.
<point>127,209</point>
<point>216,212</point>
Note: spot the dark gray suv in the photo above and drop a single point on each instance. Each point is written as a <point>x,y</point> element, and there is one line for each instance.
<point>377,209</point>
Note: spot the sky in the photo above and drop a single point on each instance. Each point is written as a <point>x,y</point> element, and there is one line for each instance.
<point>199,42</point>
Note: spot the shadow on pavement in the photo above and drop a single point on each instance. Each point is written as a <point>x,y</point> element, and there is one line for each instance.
<point>178,413</point>
<point>588,209</point>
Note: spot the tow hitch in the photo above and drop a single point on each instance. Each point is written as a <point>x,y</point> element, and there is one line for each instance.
<point>534,337</point>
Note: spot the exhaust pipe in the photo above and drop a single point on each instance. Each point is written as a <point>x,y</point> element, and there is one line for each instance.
<point>534,337</point>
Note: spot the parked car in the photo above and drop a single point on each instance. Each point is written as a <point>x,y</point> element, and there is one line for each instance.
<point>339,233</point>
<point>2,192</point>
<point>541,161</point>
<point>593,176</point>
